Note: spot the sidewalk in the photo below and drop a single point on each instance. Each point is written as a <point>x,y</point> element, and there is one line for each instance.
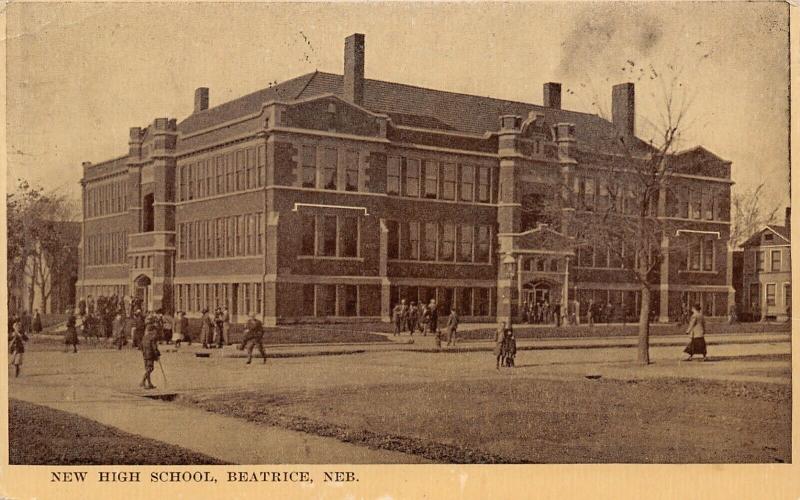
<point>229,439</point>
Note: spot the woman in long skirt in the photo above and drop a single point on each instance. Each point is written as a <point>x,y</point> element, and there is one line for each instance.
<point>697,330</point>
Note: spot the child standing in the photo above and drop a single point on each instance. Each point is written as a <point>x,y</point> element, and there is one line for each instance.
<point>16,347</point>
<point>510,348</point>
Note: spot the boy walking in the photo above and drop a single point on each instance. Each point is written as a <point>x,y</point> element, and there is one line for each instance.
<point>254,332</point>
<point>150,353</point>
<point>16,347</point>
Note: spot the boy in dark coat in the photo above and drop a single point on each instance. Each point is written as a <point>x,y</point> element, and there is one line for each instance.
<point>71,335</point>
<point>16,347</point>
<point>150,353</point>
<point>253,333</point>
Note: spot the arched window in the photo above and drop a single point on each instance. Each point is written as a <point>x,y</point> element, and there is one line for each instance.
<point>540,265</point>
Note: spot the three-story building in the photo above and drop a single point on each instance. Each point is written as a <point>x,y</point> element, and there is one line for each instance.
<point>333,196</point>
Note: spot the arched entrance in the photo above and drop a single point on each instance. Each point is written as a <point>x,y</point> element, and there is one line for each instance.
<point>141,290</point>
<point>537,291</point>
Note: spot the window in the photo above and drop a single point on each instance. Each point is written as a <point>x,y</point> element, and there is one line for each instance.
<point>588,194</point>
<point>482,305</point>
<point>308,298</point>
<point>554,266</point>
<point>430,234</point>
<point>393,175</point>
<point>220,237</point>
<point>230,180</point>
<point>684,200</point>
<point>787,294</point>
<point>201,240</point>
<point>483,242</point>
<point>759,261</point>
<point>351,170</point>
<point>329,167</point>
<point>219,164</point>
<point>328,237</point>
<point>708,254</point>
<point>465,301</point>
<point>465,234</point>
<point>448,241</point>
<point>241,171</point>
<point>775,265</point>
<point>259,234</point>
<point>240,241</point>
<point>601,258</point>
<point>412,177</point>
<point>448,181</point>
<point>251,171</point>
<point>201,179</point>
<point>261,161</point>
<point>411,241</point>
<point>483,184</point>
<point>250,233</point>
<point>431,179</point>
<point>182,188</point>
<point>190,181</point>
<point>350,300</point>
<point>697,203</point>
<point>467,187</point>
<point>349,237</point>
<point>708,204</point>
<point>230,240</point>
<point>586,256</point>
<point>308,232</point>
<point>326,300</point>
<point>309,166</point>
<point>770,294</point>
<point>602,196</point>
<point>393,228</point>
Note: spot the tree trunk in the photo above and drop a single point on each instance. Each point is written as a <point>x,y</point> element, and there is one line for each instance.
<point>643,355</point>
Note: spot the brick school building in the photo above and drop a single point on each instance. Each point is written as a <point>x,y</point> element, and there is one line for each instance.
<point>331,197</point>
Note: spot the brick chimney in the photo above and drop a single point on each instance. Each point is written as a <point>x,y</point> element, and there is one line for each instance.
<point>200,99</point>
<point>623,108</point>
<point>552,95</point>
<point>787,220</point>
<point>354,68</point>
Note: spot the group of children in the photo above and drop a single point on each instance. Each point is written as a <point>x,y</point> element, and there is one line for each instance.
<point>505,346</point>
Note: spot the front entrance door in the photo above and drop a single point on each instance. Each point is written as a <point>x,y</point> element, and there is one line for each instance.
<point>141,290</point>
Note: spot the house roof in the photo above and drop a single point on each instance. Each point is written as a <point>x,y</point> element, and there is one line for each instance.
<point>409,105</point>
<point>755,239</point>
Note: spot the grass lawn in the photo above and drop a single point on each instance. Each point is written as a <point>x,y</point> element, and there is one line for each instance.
<point>43,436</point>
<point>599,330</point>
<point>508,419</point>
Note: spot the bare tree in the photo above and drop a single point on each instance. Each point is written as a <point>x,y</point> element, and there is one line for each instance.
<point>749,213</point>
<point>623,221</point>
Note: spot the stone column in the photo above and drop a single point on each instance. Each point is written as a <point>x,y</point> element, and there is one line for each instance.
<point>386,311</point>
<point>509,211</point>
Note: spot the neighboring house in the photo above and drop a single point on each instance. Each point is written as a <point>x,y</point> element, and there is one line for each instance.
<point>767,272</point>
<point>333,196</point>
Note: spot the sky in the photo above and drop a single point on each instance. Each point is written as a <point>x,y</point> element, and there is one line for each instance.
<point>80,75</point>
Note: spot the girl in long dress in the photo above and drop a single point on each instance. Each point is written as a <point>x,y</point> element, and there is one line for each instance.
<point>697,330</point>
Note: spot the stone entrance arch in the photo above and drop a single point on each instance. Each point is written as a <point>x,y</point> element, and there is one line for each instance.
<point>142,290</point>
